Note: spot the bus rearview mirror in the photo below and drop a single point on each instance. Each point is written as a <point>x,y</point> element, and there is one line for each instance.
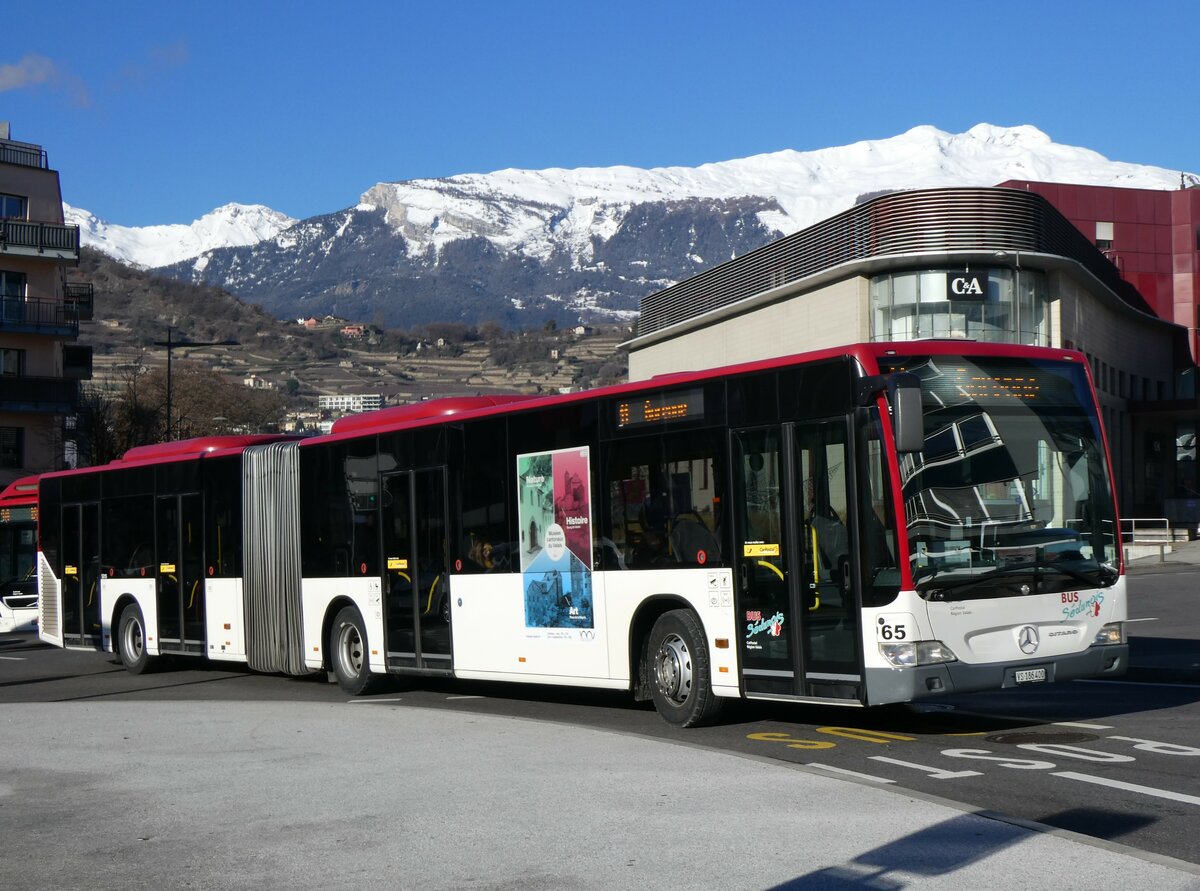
<point>904,399</point>
<point>908,426</point>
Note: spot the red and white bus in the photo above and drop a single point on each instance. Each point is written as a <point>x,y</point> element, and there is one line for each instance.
<point>869,524</point>
<point>18,555</point>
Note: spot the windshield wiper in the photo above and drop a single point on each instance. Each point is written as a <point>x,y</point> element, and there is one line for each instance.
<point>1103,579</point>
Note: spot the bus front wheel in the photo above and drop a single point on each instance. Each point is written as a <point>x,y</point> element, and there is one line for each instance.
<point>680,675</point>
<point>348,651</point>
<point>131,641</point>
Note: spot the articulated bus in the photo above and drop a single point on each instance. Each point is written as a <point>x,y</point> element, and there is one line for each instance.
<point>18,555</point>
<point>871,524</point>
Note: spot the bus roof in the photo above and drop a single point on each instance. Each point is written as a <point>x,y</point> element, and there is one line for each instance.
<point>201,445</point>
<point>435,411</point>
<point>180,450</point>
<point>431,412</point>
<point>20,492</point>
<point>398,416</point>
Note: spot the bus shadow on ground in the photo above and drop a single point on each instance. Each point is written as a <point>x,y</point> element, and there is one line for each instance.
<point>18,642</point>
<point>945,848</point>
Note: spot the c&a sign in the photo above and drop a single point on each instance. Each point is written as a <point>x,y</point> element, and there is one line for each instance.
<point>967,285</point>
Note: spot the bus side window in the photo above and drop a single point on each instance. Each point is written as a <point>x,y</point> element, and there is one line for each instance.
<point>635,536</point>
<point>664,498</point>
<point>695,469</point>
<point>483,497</point>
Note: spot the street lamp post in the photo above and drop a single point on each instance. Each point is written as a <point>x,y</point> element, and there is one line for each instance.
<point>175,344</point>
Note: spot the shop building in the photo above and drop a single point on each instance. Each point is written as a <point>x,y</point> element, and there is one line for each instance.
<point>992,264</point>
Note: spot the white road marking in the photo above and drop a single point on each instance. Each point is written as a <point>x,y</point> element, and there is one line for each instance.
<point>851,773</point>
<point>371,701</point>
<point>935,773</point>
<point>1130,787</point>
<point>1082,726</point>
<point>448,698</point>
<point>13,658</point>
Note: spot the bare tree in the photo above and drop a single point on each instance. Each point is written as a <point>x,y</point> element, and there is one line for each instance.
<point>133,413</point>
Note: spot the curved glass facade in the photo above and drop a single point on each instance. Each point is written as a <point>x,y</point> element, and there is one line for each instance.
<point>994,305</point>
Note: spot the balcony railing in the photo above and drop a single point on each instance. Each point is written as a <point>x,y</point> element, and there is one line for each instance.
<point>53,395</point>
<point>80,300</point>
<point>39,239</point>
<point>23,153</point>
<point>30,315</point>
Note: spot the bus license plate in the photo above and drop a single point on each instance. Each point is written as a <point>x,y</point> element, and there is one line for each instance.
<point>1031,675</point>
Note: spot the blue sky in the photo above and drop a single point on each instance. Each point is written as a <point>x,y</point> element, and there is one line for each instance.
<point>157,112</point>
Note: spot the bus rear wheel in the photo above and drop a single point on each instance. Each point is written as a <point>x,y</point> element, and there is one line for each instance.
<point>348,651</point>
<point>131,641</point>
<point>679,670</point>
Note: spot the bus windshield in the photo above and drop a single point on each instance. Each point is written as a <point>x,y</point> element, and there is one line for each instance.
<point>1011,493</point>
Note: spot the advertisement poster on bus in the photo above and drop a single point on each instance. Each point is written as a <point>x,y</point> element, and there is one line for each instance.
<point>555,515</point>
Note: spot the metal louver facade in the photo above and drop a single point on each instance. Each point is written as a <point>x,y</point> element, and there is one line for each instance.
<point>901,224</point>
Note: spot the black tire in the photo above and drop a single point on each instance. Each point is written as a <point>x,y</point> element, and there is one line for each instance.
<point>348,652</point>
<point>679,671</point>
<point>131,642</point>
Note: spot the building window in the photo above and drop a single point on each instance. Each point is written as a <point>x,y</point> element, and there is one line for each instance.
<point>12,447</point>
<point>12,284</point>
<point>12,363</point>
<point>995,305</point>
<point>1104,236</point>
<point>12,207</point>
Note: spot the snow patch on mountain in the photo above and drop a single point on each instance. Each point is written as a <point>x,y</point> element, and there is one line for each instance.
<point>233,225</point>
<point>536,212</point>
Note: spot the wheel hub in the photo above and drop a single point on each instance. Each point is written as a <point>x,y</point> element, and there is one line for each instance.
<point>351,651</point>
<point>673,668</point>
<point>133,639</point>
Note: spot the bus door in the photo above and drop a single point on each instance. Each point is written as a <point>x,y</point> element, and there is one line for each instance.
<point>415,572</point>
<point>80,574</point>
<point>180,580</point>
<point>797,612</point>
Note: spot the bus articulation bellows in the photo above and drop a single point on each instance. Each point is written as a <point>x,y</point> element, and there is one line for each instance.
<point>868,524</point>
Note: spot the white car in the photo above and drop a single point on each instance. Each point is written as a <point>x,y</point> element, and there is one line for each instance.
<point>19,604</point>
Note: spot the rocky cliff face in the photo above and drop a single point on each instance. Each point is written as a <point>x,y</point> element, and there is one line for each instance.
<point>360,264</point>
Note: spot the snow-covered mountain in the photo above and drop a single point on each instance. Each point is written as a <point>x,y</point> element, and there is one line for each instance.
<point>522,245</point>
<point>233,225</point>
<point>533,212</point>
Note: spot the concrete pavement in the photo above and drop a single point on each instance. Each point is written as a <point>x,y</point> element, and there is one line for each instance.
<point>368,794</point>
<point>1183,557</point>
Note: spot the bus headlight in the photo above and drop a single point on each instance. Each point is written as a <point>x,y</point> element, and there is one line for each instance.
<point>1113,633</point>
<point>920,652</point>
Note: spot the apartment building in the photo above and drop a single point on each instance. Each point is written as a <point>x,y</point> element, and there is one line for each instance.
<point>350,403</point>
<point>41,364</point>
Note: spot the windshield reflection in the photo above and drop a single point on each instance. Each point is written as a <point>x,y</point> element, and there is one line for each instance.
<point>1010,495</point>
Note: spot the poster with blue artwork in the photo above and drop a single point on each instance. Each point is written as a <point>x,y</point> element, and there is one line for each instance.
<point>555,516</point>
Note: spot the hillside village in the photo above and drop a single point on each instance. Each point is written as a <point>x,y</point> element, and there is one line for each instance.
<point>316,363</point>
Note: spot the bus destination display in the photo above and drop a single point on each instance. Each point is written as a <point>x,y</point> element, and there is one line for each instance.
<point>996,382</point>
<point>18,515</point>
<point>661,408</point>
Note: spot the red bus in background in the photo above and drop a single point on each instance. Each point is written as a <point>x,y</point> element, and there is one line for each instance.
<point>18,555</point>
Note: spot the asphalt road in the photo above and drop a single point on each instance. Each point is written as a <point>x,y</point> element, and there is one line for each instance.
<point>1116,761</point>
